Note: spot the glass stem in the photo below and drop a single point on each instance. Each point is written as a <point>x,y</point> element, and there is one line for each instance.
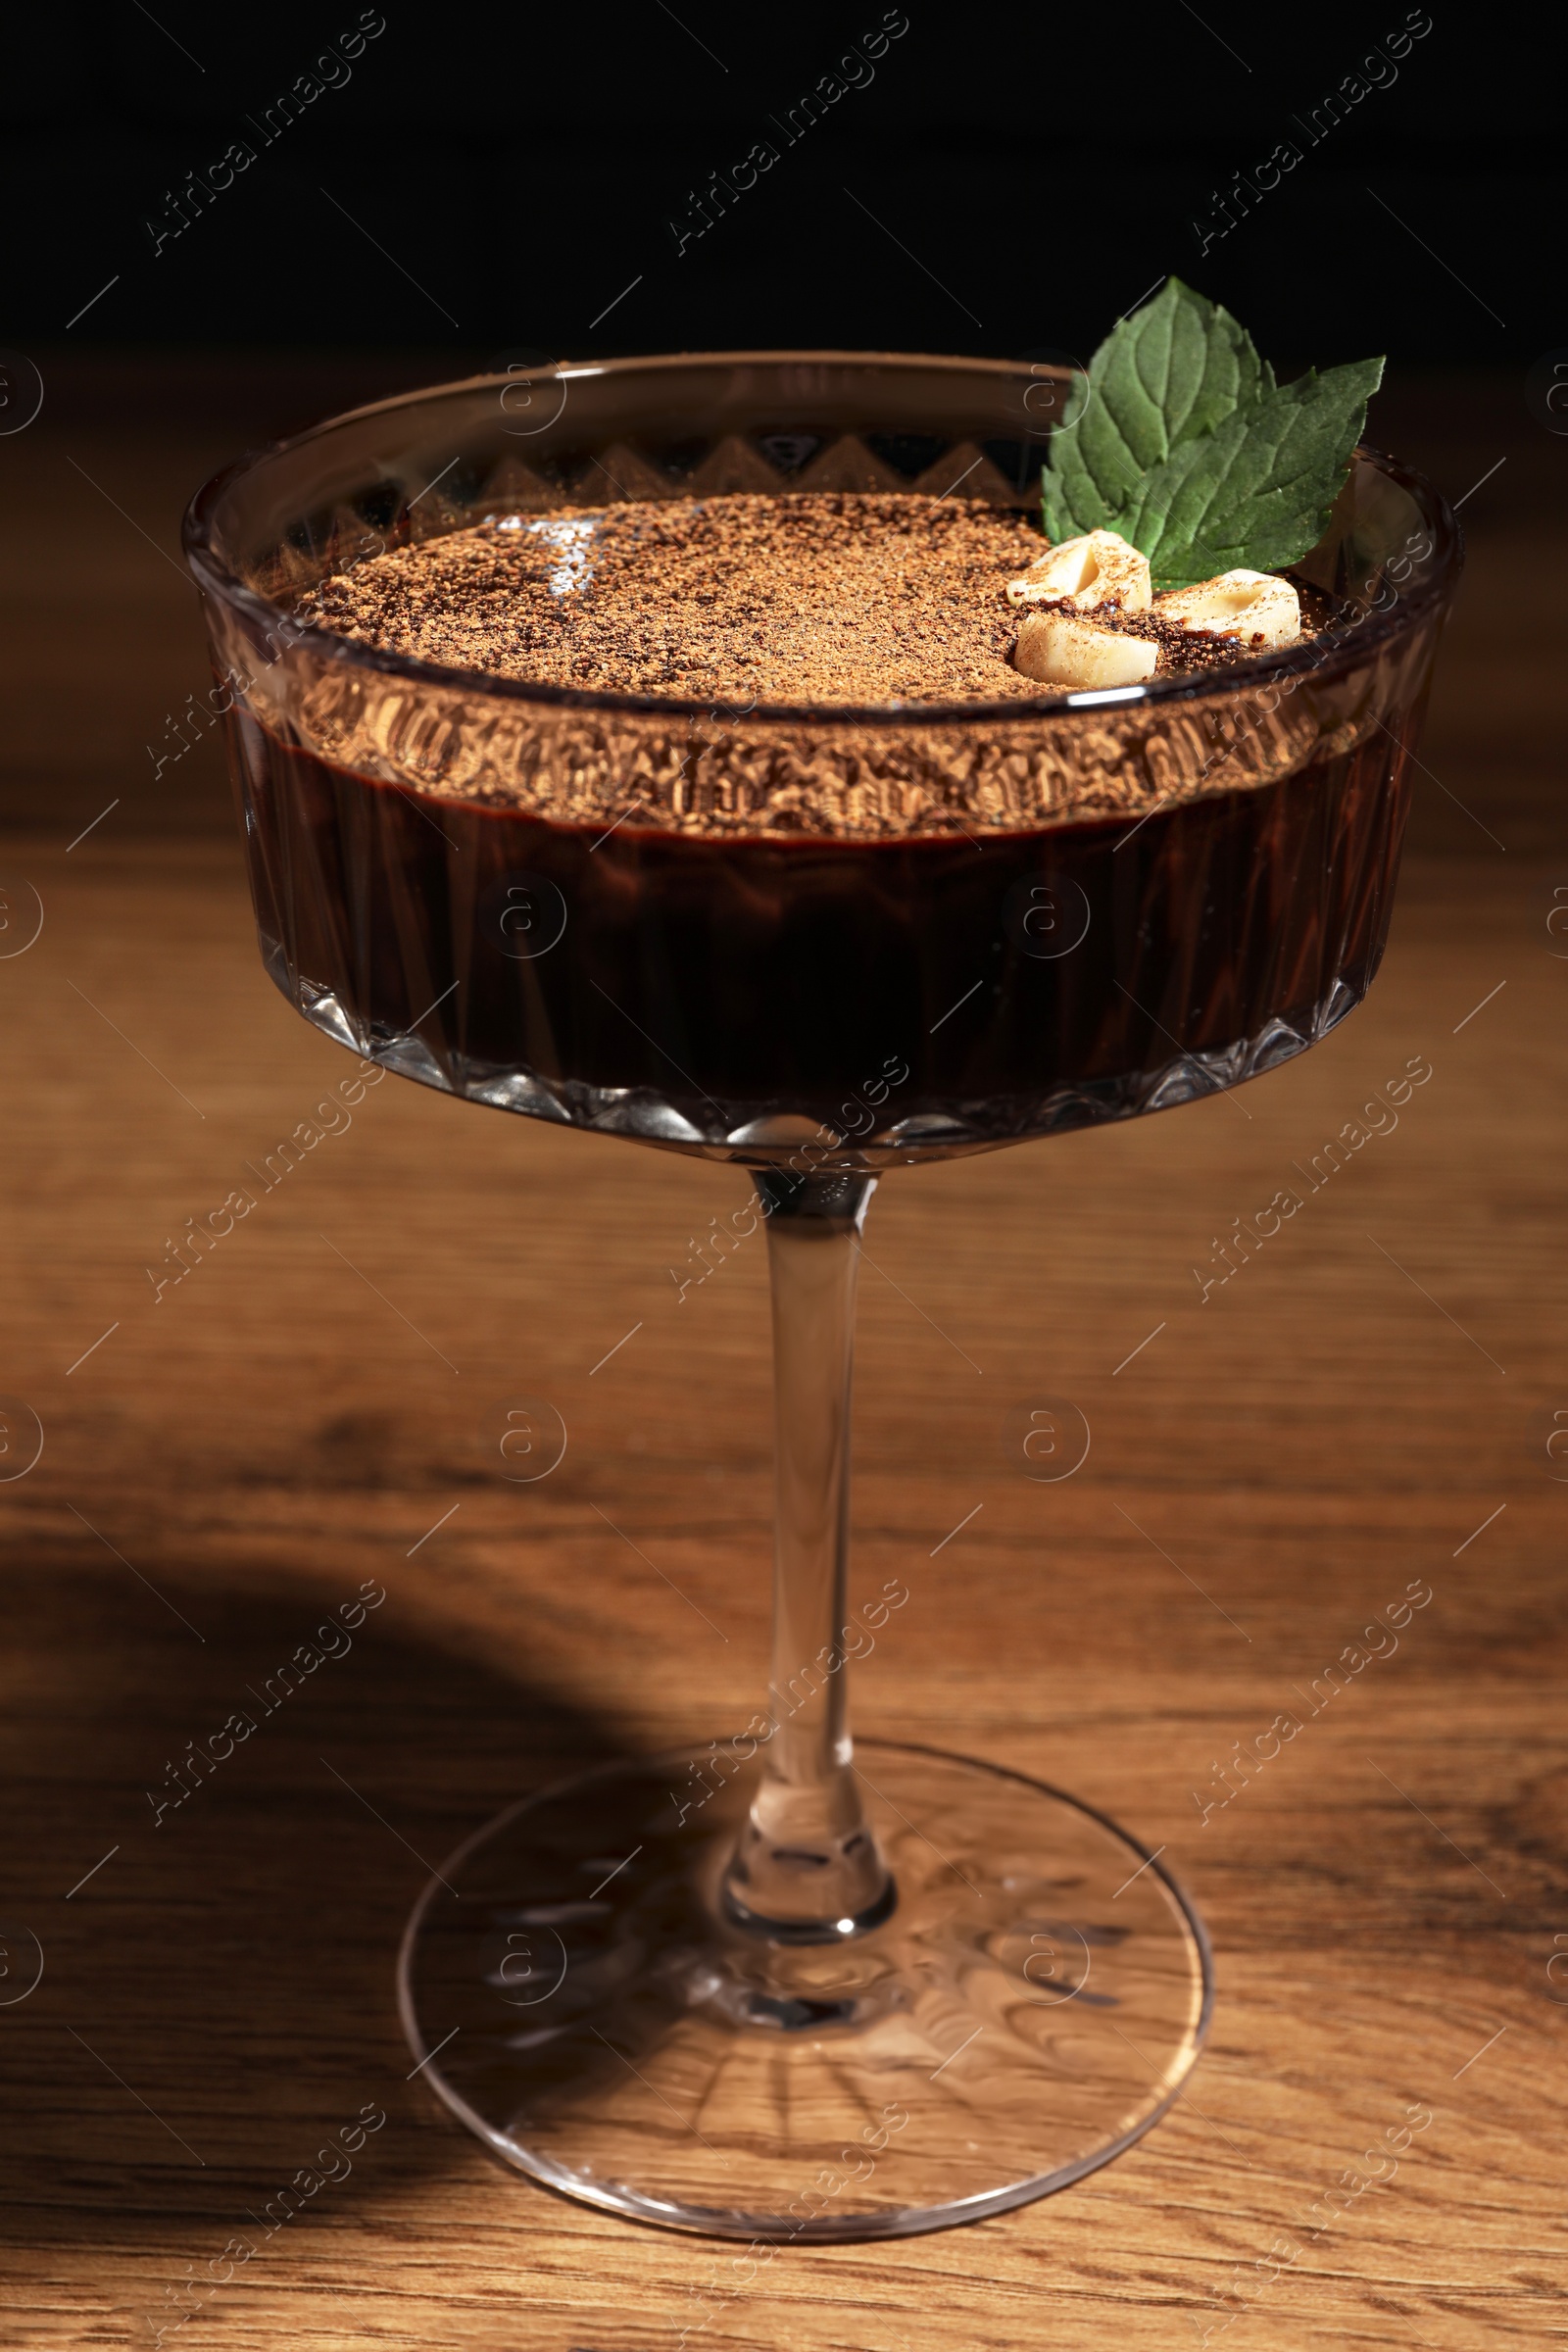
<point>807,1869</point>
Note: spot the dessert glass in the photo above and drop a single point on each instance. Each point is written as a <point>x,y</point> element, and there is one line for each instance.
<point>778,1986</point>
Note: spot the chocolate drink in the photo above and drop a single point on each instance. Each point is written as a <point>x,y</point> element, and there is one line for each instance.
<point>870,892</point>
<point>1024,981</point>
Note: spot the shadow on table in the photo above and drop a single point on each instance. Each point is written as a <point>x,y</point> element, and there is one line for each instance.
<point>217,1998</point>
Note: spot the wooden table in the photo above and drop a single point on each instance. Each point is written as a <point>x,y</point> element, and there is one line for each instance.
<point>1366,1407</point>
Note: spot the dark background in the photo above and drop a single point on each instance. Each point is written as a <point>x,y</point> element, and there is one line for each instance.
<point>1032,173</point>
<point>503,179</point>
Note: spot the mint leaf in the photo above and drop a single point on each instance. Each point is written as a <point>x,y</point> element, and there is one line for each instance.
<point>1165,377</point>
<point>1255,493</point>
<point>1190,450</point>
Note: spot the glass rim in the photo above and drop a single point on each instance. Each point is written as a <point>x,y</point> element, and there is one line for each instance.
<point>1361,637</point>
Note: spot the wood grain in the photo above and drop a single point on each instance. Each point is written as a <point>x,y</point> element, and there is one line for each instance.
<point>1269,1468</point>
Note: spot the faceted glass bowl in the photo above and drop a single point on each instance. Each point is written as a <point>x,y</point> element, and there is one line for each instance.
<point>1053,909</point>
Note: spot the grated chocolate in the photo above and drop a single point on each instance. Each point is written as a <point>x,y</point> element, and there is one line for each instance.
<point>832,597</point>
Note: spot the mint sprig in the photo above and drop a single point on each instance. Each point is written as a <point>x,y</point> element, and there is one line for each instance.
<point>1189,447</point>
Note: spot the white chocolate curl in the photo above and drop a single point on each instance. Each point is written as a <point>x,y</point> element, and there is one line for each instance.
<point>1257,607</point>
<point>1099,568</point>
<point>1060,650</point>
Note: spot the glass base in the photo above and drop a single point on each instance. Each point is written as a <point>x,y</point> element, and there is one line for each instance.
<point>572,1989</point>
